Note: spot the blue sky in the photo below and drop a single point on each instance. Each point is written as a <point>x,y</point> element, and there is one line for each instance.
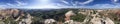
<point>56,4</point>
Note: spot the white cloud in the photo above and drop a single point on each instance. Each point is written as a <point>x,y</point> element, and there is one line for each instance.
<point>115,0</point>
<point>86,2</point>
<point>76,2</point>
<point>9,4</point>
<point>65,2</point>
<point>20,3</point>
<point>47,6</point>
<point>42,4</point>
<point>1,6</point>
<point>103,6</point>
<point>91,6</point>
<point>97,6</point>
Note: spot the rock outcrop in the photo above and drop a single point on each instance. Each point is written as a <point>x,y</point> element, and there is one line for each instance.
<point>15,15</point>
<point>68,15</point>
<point>27,20</point>
<point>94,17</point>
<point>49,21</point>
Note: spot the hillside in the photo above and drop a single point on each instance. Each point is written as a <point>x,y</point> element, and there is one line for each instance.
<point>59,16</point>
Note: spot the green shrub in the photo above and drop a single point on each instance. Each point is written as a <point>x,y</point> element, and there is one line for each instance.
<point>78,17</point>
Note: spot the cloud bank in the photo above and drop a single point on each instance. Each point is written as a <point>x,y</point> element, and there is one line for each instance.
<point>48,4</point>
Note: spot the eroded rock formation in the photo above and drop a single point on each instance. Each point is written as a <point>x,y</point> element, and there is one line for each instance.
<point>67,15</point>
<point>15,15</point>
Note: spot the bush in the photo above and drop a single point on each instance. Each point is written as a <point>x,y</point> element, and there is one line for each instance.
<point>78,17</point>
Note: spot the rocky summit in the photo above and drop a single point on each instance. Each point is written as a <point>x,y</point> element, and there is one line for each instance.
<point>59,16</point>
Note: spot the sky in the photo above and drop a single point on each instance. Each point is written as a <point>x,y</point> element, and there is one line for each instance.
<point>57,4</point>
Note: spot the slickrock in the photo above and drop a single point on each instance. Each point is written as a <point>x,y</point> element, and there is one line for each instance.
<point>26,20</point>
<point>97,19</point>
<point>15,14</point>
<point>49,21</point>
<point>102,21</point>
<point>68,14</point>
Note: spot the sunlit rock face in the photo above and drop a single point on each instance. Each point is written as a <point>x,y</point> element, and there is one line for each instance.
<point>15,12</point>
<point>102,21</point>
<point>15,15</point>
<point>49,21</point>
<point>27,20</point>
<point>10,12</point>
<point>68,14</point>
<point>97,17</point>
<point>68,20</point>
